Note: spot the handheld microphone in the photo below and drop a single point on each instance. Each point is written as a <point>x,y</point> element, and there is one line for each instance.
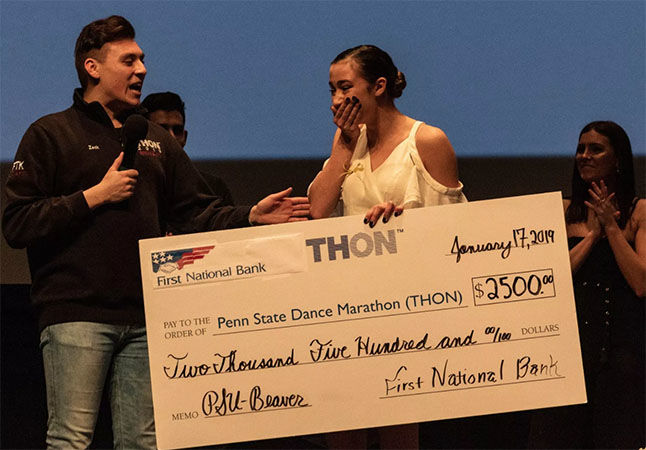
<point>134,129</point>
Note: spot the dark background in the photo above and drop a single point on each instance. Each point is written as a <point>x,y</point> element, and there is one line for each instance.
<point>23,413</point>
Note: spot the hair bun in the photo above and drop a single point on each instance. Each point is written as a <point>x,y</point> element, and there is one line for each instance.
<point>399,85</point>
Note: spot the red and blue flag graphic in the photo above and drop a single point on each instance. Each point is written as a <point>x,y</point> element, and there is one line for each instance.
<point>176,259</point>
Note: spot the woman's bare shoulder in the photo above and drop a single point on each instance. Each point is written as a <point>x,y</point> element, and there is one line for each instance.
<point>639,213</point>
<point>430,138</point>
<point>437,154</point>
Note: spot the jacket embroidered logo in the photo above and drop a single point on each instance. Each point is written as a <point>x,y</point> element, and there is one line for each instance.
<point>17,167</point>
<point>148,147</point>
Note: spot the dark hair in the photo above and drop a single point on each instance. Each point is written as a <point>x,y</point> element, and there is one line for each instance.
<point>165,101</point>
<point>375,63</point>
<point>93,36</point>
<point>625,183</point>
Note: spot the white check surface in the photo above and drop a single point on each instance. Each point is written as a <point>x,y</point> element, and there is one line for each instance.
<point>301,328</point>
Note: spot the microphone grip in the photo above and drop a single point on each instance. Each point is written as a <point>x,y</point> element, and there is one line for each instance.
<point>135,128</point>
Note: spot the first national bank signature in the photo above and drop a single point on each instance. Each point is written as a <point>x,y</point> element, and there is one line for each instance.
<point>521,238</point>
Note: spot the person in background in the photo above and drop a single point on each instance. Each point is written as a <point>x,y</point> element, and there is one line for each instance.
<point>381,162</point>
<point>81,219</point>
<point>167,110</point>
<point>606,227</point>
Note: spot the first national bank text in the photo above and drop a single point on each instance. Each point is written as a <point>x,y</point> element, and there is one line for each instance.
<point>206,275</point>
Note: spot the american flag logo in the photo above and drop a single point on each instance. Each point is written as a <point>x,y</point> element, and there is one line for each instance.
<point>176,259</point>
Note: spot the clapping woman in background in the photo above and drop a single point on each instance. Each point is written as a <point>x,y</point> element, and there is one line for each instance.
<point>606,226</point>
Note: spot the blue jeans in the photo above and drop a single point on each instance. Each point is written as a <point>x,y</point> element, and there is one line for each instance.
<point>78,357</point>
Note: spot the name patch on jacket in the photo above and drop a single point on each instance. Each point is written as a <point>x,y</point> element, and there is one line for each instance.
<point>18,168</point>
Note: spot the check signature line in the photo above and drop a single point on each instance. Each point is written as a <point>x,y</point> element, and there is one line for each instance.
<point>338,321</point>
<point>472,387</point>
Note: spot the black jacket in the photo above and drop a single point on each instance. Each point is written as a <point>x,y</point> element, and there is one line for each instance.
<point>85,264</point>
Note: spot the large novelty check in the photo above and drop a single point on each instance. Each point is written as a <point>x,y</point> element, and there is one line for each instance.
<point>443,312</point>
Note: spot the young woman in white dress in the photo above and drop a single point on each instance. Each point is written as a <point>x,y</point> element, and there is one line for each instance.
<point>382,162</point>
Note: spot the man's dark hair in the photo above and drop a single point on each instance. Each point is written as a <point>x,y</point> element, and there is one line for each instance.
<point>93,36</point>
<point>165,101</point>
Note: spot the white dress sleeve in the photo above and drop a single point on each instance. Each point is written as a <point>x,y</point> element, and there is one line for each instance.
<point>424,190</point>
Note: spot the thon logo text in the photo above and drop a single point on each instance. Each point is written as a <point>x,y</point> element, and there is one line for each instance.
<point>359,245</point>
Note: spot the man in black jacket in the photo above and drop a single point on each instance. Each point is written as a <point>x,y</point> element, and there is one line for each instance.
<point>81,218</point>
